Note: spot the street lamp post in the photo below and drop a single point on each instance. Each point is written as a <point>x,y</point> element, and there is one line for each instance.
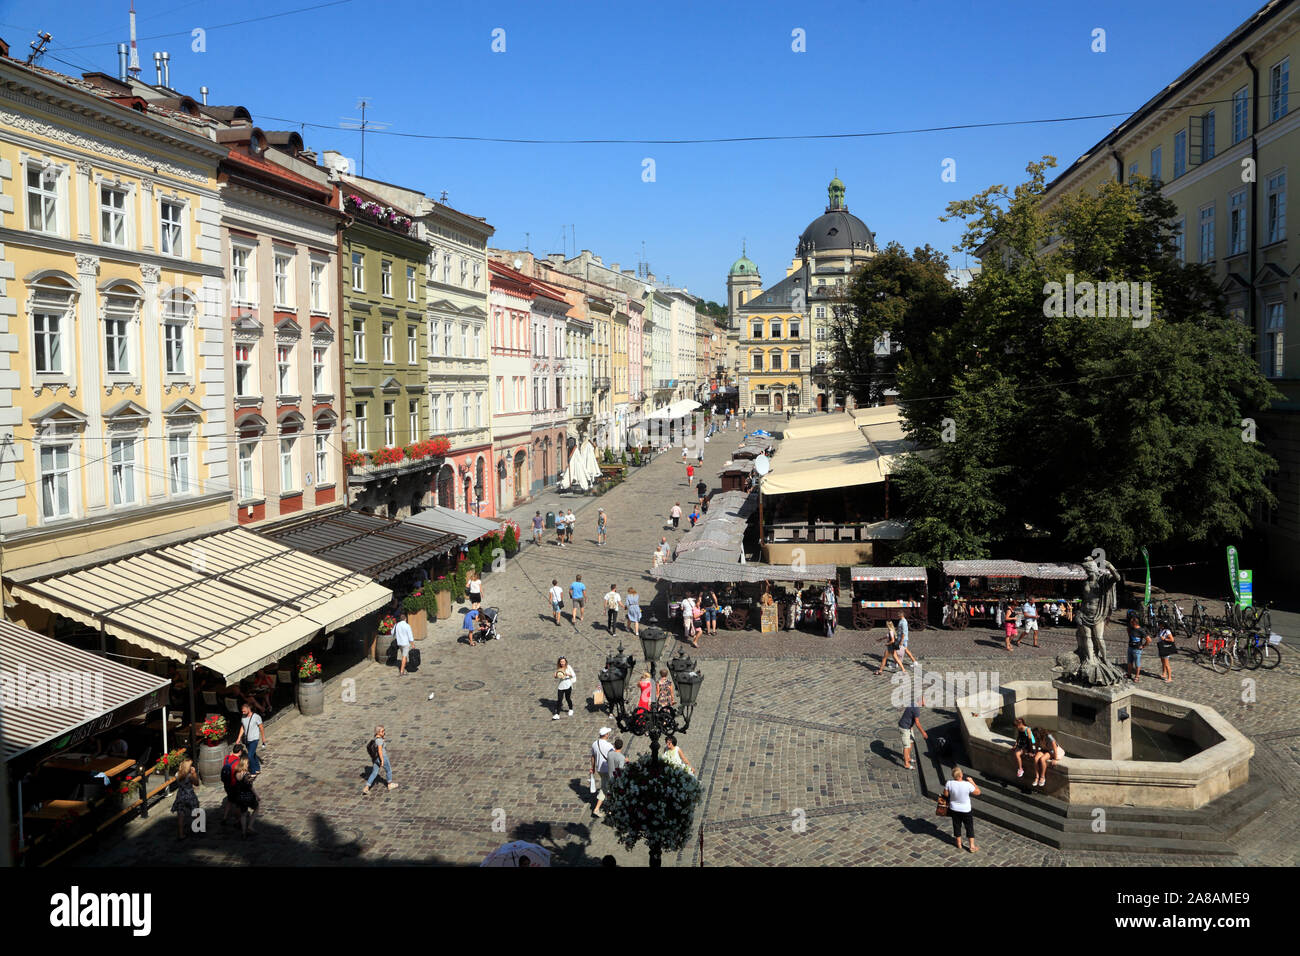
<point>659,720</point>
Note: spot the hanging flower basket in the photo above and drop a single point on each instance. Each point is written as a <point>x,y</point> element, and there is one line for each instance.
<point>213,730</point>
<point>308,668</point>
<point>654,801</point>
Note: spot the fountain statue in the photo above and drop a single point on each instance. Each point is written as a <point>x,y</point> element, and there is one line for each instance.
<point>1088,665</point>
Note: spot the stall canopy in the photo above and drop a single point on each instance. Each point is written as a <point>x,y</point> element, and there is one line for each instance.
<point>691,571</point>
<point>379,548</point>
<point>232,600</point>
<point>583,469</point>
<point>46,683</point>
<point>675,409</point>
<point>1007,568</point>
<point>470,527</point>
<point>866,573</point>
<point>855,449</point>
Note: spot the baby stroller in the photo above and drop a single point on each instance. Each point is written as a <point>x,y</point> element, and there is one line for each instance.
<point>488,623</point>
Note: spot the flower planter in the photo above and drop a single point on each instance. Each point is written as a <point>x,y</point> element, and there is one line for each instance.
<point>311,697</point>
<point>419,622</point>
<point>444,604</point>
<point>210,758</point>
<point>383,644</point>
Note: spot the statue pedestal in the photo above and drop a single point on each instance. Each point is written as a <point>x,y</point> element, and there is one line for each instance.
<point>1092,714</point>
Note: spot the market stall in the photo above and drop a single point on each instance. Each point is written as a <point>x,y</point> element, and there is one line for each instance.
<point>984,591</point>
<point>887,593</point>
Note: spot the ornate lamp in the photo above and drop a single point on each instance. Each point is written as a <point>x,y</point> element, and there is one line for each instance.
<point>659,720</point>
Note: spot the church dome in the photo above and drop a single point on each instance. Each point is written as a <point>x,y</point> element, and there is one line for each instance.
<point>837,228</point>
<point>743,266</point>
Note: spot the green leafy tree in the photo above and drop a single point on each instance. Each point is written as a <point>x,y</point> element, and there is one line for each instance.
<point>1091,428</point>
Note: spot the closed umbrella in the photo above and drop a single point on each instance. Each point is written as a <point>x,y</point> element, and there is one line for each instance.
<point>511,853</point>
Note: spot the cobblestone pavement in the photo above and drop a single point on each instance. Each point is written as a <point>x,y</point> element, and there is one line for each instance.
<point>794,737</point>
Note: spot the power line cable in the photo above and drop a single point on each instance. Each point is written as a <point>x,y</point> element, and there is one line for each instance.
<point>218,26</point>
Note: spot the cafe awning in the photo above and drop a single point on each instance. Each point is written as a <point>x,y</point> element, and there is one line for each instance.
<point>233,601</point>
<point>470,527</point>
<point>675,409</point>
<point>56,695</point>
<point>865,573</point>
<point>848,450</point>
<point>690,571</point>
<point>379,548</point>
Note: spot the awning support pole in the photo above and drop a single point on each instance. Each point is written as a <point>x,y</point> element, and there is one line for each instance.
<point>194,715</point>
<point>165,751</point>
<point>103,640</point>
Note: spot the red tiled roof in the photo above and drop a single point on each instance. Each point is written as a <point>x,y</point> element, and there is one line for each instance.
<point>278,172</point>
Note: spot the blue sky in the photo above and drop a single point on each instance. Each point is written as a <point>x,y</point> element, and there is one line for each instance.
<point>667,71</point>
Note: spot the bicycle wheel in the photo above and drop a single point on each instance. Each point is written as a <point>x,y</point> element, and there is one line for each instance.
<point>1266,623</point>
<point>1202,641</point>
<point>1219,661</point>
<point>1270,656</point>
<point>1254,657</point>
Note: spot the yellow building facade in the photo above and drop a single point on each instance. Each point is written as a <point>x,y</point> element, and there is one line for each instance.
<point>1224,139</point>
<point>112,394</point>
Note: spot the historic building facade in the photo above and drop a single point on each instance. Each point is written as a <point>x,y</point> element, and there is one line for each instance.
<point>550,412</point>
<point>113,403</point>
<point>510,302</point>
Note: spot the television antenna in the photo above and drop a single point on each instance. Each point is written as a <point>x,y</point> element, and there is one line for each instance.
<point>362,124</point>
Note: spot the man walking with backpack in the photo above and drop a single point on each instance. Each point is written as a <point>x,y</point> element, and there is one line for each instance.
<point>377,748</point>
<point>228,765</point>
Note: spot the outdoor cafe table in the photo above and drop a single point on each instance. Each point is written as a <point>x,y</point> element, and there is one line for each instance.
<point>58,810</point>
<point>108,766</point>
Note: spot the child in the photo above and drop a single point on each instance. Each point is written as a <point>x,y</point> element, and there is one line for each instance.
<point>694,516</point>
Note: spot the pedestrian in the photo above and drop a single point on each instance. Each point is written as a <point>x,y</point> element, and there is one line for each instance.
<point>601,521</point>
<point>690,474</point>
<point>646,691</point>
<point>664,693</point>
<point>404,637</point>
<point>911,718</point>
<point>228,767</point>
<point>709,604</point>
<point>1026,743</point>
<point>633,603</point>
<point>250,735</point>
<point>673,754</point>
<point>557,599</point>
<point>474,584</point>
<point>902,648</point>
<point>569,521</point>
<point>1009,626</point>
<point>377,748</point>
<point>700,459</point>
<point>578,594</point>
<point>890,653</point>
<point>959,790</point>
<point>676,514</point>
<point>701,490</point>
<point>1138,638</point>
<point>565,675</point>
<point>1167,648</point>
<point>613,604</point>
<point>616,759</point>
<point>186,802</point>
<point>245,796</point>
<point>601,748</point>
<point>688,620</point>
<point>1049,751</point>
<point>537,528</point>
<point>665,552</point>
<point>559,527</point>
<point>694,516</point>
<point>830,609</point>
<point>469,624</point>
<point>1030,613</point>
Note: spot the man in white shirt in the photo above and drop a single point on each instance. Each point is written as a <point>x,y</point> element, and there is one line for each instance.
<point>250,735</point>
<point>403,635</point>
<point>613,603</point>
<point>1031,620</point>
<point>600,750</point>
<point>557,599</point>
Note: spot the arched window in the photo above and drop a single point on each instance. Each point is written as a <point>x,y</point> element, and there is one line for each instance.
<point>446,487</point>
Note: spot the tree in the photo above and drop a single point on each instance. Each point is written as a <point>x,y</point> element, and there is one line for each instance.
<point>894,300</point>
<point>1056,413</point>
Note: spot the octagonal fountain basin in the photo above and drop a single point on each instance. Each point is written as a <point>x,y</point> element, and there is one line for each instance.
<point>1124,746</point>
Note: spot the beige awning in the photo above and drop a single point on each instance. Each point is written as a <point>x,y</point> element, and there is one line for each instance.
<point>848,450</point>
<point>235,599</point>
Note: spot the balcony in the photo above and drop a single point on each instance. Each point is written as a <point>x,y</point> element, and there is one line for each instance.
<point>581,409</point>
<point>600,384</point>
<point>821,368</point>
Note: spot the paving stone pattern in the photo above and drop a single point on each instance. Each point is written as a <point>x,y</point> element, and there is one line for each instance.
<point>794,736</point>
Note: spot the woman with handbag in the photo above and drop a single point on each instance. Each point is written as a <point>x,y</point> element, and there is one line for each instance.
<point>245,798</point>
<point>955,802</point>
<point>187,801</point>
<point>633,603</point>
<point>565,675</point>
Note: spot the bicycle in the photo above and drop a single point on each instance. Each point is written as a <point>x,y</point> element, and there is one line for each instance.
<point>1261,651</point>
<point>1259,618</point>
<point>1213,652</point>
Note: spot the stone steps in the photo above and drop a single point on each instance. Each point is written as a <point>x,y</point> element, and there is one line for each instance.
<point>1039,816</point>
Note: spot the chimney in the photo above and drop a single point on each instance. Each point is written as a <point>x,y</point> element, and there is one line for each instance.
<point>335,161</point>
<point>203,92</point>
<point>167,70</point>
<point>308,155</point>
<point>157,65</point>
<point>121,61</point>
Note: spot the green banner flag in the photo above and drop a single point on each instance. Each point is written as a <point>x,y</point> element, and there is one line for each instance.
<point>1147,558</point>
<point>1232,572</point>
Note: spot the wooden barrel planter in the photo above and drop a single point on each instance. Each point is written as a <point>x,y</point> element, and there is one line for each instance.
<point>311,697</point>
<point>383,646</point>
<point>444,605</point>
<point>419,623</point>
<point>210,758</point>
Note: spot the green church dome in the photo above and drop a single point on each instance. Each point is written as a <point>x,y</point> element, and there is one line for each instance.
<point>743,267</point>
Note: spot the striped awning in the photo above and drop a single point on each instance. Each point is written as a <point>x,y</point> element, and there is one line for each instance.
<point>1007,568</point>
<point>379,548</point>
<point>690,571</point>
<point>234,600</point>
<point>56,695</point>
<point>864,573</point>
<point>470,527</point>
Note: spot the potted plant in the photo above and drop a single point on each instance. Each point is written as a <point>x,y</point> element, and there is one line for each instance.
<point>510,542</point>
<point>415,605</point>
<point>311,690</point>
<point>353,459</point>
<point>442,586</point>
<point>384,636</point>
<point>212,734</point>
<point>655,801</point>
